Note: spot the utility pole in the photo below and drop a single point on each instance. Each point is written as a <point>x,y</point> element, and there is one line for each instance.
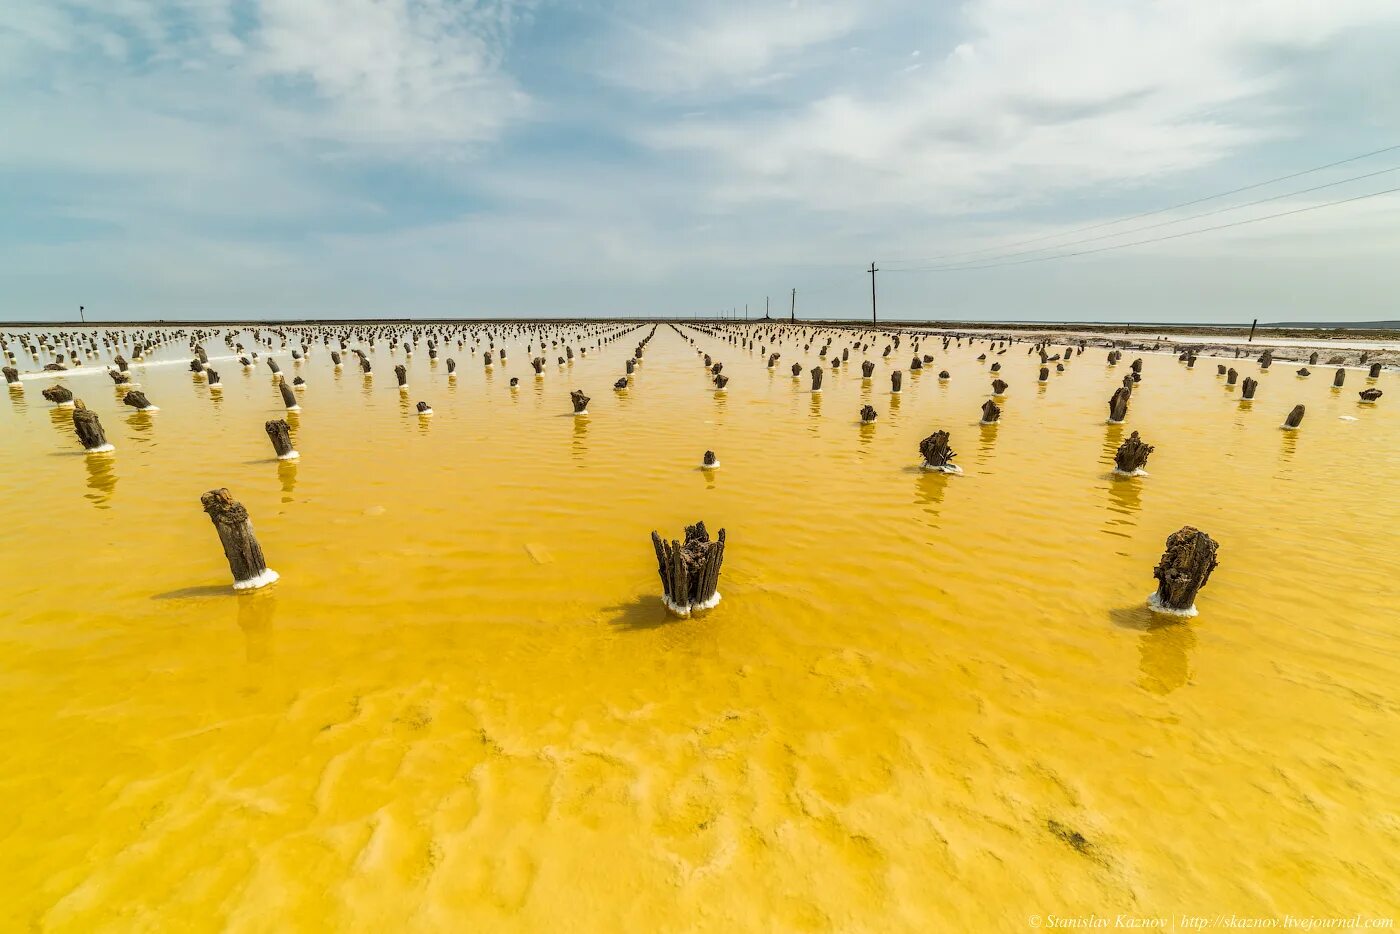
<point>793,313</point>
<point>746,311</point>
<point>765,306</point>
<point>81,317</point>
<point>873,270</point>
<point>1251,330</point>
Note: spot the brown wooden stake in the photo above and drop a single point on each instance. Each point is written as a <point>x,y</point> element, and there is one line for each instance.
<point>1370,395</point>
<point>1185,568</point>
<point>868,414</point>
<point>137,400</point>
<point>896,381</point>
<point>281,434</point>
<point>1132,455</point>
<point>244,554</point>
<point>690,572</point>
<point>1118,404</point>
<point>580,402</point>
<point>289,398</point>
<point>58,394</point>
<point>1339,378</point>
<point>1247,388</point>
<point>936,452</point>
<point>1295,417</point>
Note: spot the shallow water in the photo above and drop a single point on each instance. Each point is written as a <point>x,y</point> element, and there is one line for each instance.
<point>926,702</point>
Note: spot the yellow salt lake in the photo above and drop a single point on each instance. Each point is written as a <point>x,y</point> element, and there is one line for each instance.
<point>926,702</point>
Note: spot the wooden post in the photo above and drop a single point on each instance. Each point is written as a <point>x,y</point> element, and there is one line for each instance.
<point>1375,371</point>
<point>281,434</point>
<point>289,398</point>
<point>1312,358</point>
<point>896,381</point>
<point>59,395</point>
<point>868,414</point>
<point>991,412</point>
<point>937,454</point>
<point>999,387</point>
<point>1370,395</point>
<point>89,429</point>
<point>817,379</point>
<point>213,376</point>
<point>916,364</point>
<point>451,367</point>
<point>1304,372</point>
<point>1118,405</point>
<point>1231,376</point>
<point>1247,388</point>
<point>1295,417</point>
<point>796,370</point>
<point>401,374</point>
<point>580,402</point>
<point>690,572</point>
<point>1339,378</point>
<point>1185,568</point>
<point>621,383</point>
<point>11,377</point>
<point>944,374</point>
<point>424,409</point>
<point>1045,374</point>
<point>1131,458</point>
<point>244,554</point>
<point>867,369</point>
<point>710,461</point>
<point>138,401</point>
<point>721,381</point>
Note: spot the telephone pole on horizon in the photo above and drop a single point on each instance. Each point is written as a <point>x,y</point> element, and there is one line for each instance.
<point>81,316</point>
<point>873,270</point>
<point>792,312</point>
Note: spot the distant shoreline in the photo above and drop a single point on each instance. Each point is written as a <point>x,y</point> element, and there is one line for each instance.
<point>1351,330</point>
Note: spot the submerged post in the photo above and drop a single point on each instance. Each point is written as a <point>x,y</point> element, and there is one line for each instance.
<point>281,434</point>
<point>937,454</point>
<point>690,572</point>
<point>580,402</point>
<point>1118,405</point>
<point>138,401</point>
<point>991,412</point>
<point>1247,387</point>
<point>1295,417</point>
<point>896,381</point>
<point>868,414</point>
<point>89,429</point>
<point>289,398</point>
<point>59,394</point>
<point>1184,569</point>
<point>244,554</point>
<point>1131,458</point>
<point>1339,379</point>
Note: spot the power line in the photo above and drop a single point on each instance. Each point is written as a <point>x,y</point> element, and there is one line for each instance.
<point>1174,207</point>
<point>1185,233</point>
<point>1179,220</point>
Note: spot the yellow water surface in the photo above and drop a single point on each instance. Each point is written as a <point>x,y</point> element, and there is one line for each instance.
<point>926,702</point>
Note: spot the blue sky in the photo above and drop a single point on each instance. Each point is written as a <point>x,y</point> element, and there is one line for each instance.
<point>378,157</point>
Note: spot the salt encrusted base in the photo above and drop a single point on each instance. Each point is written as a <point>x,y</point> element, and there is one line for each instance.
<point>289,456</point>
<point>1115,421</point>
<point>714,466</point>
<point>1155,604</point>
<point>268,576</point>
<point>584,412</point>
<point>102,449</point>
<point>985,422</point>
<point>1290,427</point>
<point>426,413</point>
<point>293,408</point>
<point>684,612</point>
<point>148,408</point>
<point>64,405</point>
<point>946,468</point>
<point>1140,472</point>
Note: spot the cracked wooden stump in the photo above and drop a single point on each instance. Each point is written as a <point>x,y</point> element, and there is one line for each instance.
<point>1118,404</point>
<point>999,387</point>
<point>137,400</point>
<point>710,461</point>
<point>936,453</point>
<point>580,402</point>
<point>690,571</point>
<point>991,412</point>
<point>289,398</point>
<point>58,394</point>
<point>281,434</point>
<point>1248,387</point>
<point>89,428</point>
<point>896,381</point>
<point>1185,568</point>
<point>11,376</point>
<point>1370,395</point>
<point>868,414</point>
<point>1339,378</point>
<point>244,554</point>
<point>1295,417</point>
<point>1132,454</point>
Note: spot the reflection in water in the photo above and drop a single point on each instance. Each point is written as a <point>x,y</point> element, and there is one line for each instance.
<point>256,611</point>
<point>1125,500</point>
<point>1112,438</point>
<point>102,479</point>
<point>894,401</point>
<point>141,424</point>
<point>1164,661</point>
<point>287,473</point>
<point>867,433</point>
<point>929,488</point>
<point>579,447</point>
<point>987,435</point>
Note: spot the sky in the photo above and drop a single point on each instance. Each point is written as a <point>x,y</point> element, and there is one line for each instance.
<point>354,158</point>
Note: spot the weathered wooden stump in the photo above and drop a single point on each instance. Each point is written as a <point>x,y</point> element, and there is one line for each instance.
<point>89,429</point>
<point>580,402</point>
<point>1220,369</point>
<point>451,367</point>
<point>796,370</point>
<point>937,454</point>
<point>1231,376</point>
<point>59,395</point>
<point>11,376</point>
<point>999,387</point>
<point>538,364</point>
<point>335,357</point>
<point>1045,374</point>
<point>996,367</point>
<point>196,366</point>
<point>1247,387</point>
<point>424,409</point>
<point>1266,359</point>
<point>244,554</point>
<point>1312,358</point>
<point>138,401</point>
<point>1131,457</point>
<point>1339,378</point>
<point>365,367</point>
<point>401,374</point>
<point>773,360</point>
<point>916,364</point>
<point>1118,405</point>
<point>690,572</point>
<point>121,363</point>
<point>621,383</point>
<point>631,366</point>
<point>710,461</point>
<point>272,365</point>
<point>817,379</point>
<point>1185,568</point>
<point>281,434</point>
<point>991,412</point>
<point>896,381</point>
<point>514,382</point>
<point>1375,371</point>
<point>213,376</point>
<point>868,414</point>
<point>298,383</point>
<point>1295,417</point>
<point>944,374</point>
<point>1370,395</point>
<point>1304,372</point>
<point>721,381</point>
